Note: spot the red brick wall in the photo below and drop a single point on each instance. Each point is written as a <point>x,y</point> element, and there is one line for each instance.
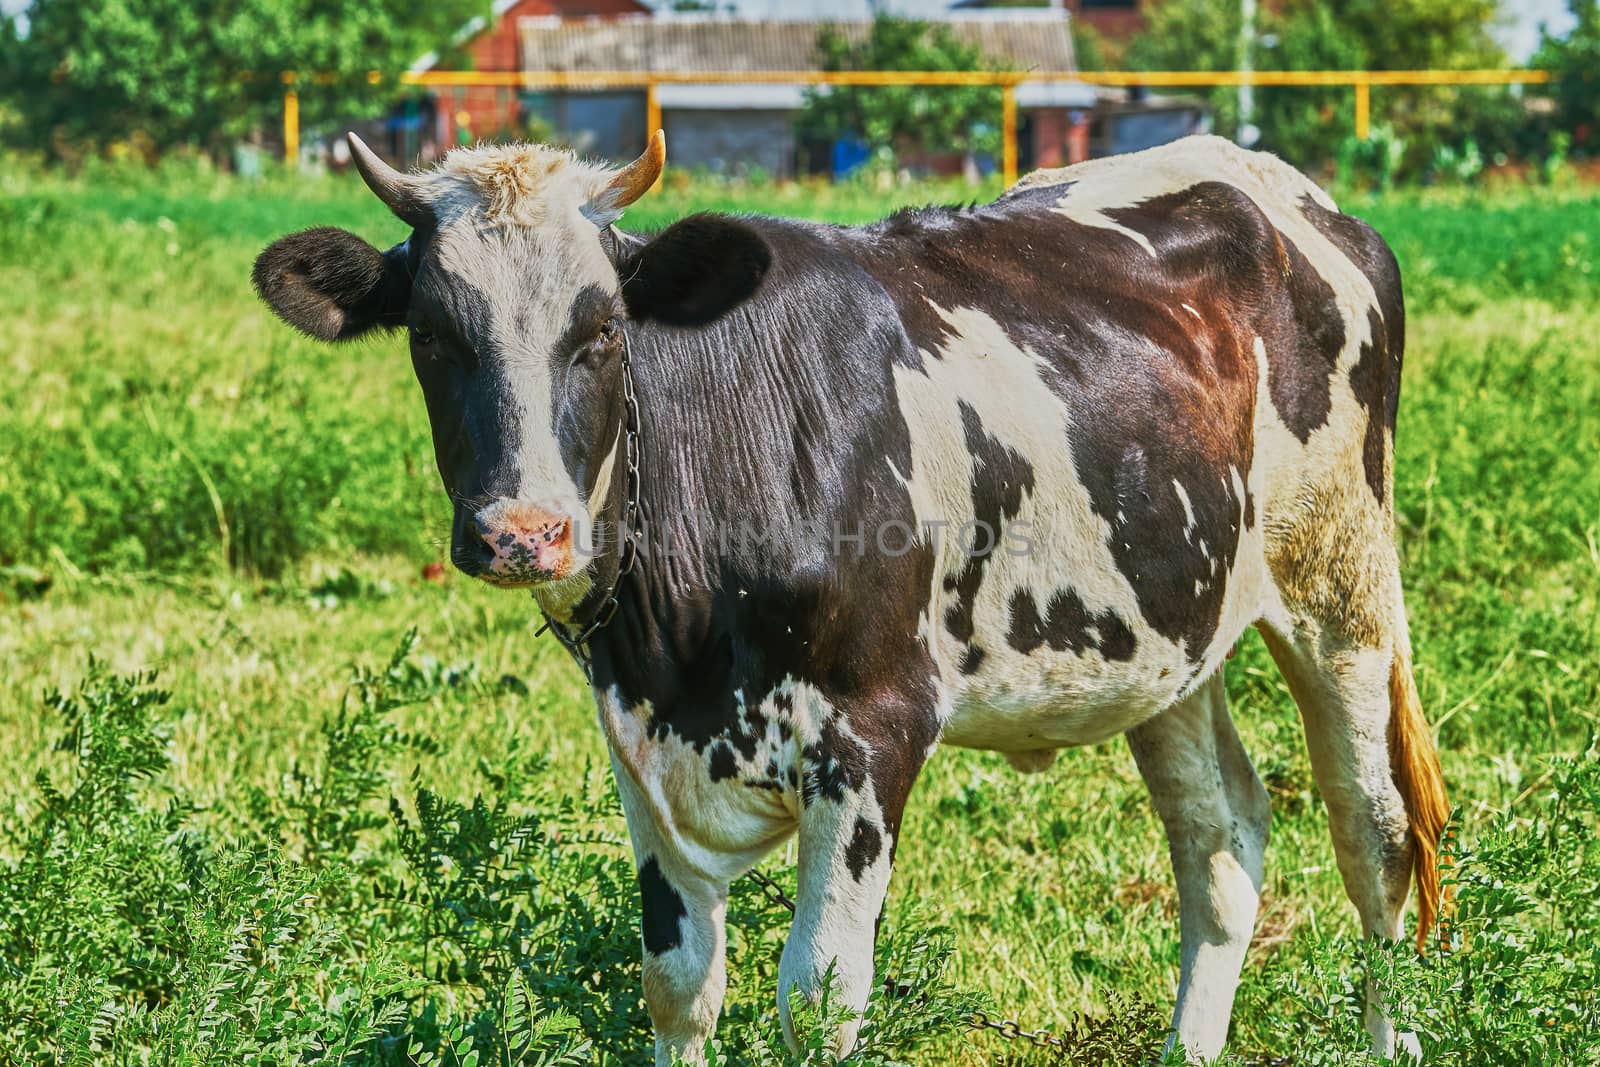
<point>494,111</point>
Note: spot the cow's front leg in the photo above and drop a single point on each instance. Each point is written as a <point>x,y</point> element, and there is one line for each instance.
<point>681,920</point>
<point>853,792</point>
<point>684,971</point>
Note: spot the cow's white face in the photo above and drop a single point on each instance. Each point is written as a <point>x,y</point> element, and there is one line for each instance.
<point>515,334</point>
<point>514,291</point>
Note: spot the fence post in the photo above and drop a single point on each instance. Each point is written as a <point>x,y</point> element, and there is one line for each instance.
<point>1008,132</point>
<point>1363,110</point>
<point>652,119</point>
<point>291,121</point>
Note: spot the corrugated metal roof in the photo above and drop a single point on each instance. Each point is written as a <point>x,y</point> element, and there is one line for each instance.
<point>746,96</point>
<point>719,43</point>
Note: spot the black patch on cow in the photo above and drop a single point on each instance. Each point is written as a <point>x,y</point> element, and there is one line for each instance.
<point>1369,379</point>
<point>1303,335</point>
<point>865,846</point>
<point>663,910</point>
<point>1375,378</point>
<point>1000,477</point>
<point>1067,625</point>
<point>834,764</point>
<point>971,659</point>
<point>722,765</point>
<point>695,271</point>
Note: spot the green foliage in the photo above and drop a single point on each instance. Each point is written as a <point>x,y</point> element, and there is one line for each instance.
<point>1574,61</point>
<point>1340,35</point>
<point>263,782</point>
<point>163,73</point>
<point>1515,984</point>
<point>129,932</point>
<point>897,120</point>
<point>124,927</point>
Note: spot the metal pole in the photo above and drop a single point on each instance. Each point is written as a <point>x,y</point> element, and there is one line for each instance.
<point>1008,133</point>
<point>652,120</point>
<point>1247,66</point>
<point>291,123</point>
<point>1363,111</point>
<point>652,111</point>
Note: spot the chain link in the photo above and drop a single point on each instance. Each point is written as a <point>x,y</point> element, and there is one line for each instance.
<point>1012,1030</point>
<point>627,529</point>
<point>771,890</point>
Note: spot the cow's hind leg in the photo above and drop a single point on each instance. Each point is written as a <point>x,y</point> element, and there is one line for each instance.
<point>1348,667</point>
<point>1217,818</point>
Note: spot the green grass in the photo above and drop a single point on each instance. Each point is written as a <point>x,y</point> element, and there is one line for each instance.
<point>188,486</point>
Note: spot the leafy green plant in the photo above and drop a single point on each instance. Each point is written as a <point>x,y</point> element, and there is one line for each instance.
<point>125,928</point>
<point>1513,984</point>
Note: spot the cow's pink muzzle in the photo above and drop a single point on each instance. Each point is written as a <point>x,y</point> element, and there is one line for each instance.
<point>527,543</point>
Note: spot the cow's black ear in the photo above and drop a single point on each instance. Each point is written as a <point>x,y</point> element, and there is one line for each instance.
<point>694,271</point>
<point>331,284</point>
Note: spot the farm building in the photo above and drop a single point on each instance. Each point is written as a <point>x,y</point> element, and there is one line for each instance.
<point>1114,18</point>
<point>749,125</point>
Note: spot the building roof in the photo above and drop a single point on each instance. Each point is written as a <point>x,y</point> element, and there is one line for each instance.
<point>746,96</point>
<point>706,44</point>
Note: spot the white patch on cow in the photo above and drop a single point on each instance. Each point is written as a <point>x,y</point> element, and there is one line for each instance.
<point>1049,698</point>
<point>1188,510</point>
<point>716,829</point>
<point>1216,815</point>
<point>836,913</point>
<point>515,224</point>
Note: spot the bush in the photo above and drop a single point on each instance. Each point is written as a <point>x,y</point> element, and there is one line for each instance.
<point>498,930</point>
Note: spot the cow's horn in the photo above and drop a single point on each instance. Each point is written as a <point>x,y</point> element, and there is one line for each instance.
<point>400,192</point>
<point>634,180</point>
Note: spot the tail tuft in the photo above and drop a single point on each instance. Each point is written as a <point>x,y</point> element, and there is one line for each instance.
<point>1414,762</point>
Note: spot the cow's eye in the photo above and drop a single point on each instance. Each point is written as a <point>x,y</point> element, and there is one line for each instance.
<point>421,335</point>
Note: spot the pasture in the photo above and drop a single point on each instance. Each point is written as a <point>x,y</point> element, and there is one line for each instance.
<point>222,876</point>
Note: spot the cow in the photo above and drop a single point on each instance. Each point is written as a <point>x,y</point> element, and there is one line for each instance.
<point>807,500</point>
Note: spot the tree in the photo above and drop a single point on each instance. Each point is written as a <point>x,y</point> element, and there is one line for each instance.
<point>88,73</point>
<point>900,119</point>
<point>1574,62</point>
<point>1307,125</point>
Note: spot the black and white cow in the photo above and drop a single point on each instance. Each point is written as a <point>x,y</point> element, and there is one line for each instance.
<point>1014,477</point>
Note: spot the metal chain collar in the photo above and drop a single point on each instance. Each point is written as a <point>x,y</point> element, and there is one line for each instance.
<point>627,529</point>
<point>1009,1029</point>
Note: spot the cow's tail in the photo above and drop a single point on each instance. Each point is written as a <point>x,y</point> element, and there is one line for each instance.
<point>1414,762</point>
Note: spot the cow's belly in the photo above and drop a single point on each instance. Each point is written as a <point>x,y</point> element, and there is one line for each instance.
<point>1043,653</point>
<point>1058,700</point>
<point>1051,659</point>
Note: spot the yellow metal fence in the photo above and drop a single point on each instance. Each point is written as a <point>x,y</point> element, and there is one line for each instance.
<point>1362,82</point>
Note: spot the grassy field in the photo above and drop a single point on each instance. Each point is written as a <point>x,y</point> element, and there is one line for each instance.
<point>186,486</point>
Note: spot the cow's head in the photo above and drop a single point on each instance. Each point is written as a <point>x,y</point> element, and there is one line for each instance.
<point>516,293</point>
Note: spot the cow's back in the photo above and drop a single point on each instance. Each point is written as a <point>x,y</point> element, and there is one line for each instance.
<point>1124,367</point>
